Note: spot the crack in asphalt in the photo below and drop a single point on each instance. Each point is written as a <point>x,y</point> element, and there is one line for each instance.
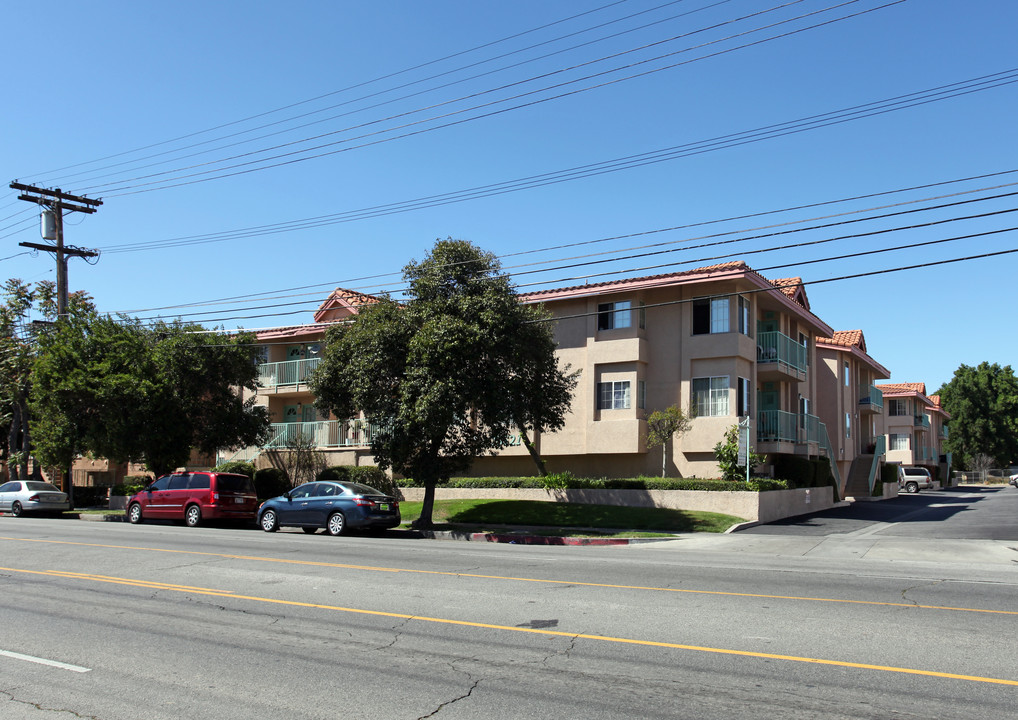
<point>906,591</point>
<point>39,706</point>
<point>464,696</point>
<point>396,629</point>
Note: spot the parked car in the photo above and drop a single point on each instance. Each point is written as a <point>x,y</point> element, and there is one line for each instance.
<point>911,479</point>
<point>24,496</point>
<point>194,497</point>
<point>1014,480</point>
<point>336,506</point>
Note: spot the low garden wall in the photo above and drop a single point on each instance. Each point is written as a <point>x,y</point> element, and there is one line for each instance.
<point>751,506</point>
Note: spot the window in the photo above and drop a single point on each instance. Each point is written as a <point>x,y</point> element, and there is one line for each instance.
<point>898,407</point>
<point>847,374</point>
<point>613,316</point>
<point>744,321</point>
<point>742,398</point>
<point>613,395</point>
<point>848,425</point>
<point>641,394</point>
<point>643,315</point>
<point>710,396</point>
<point>178,482</point>
<point>899,442</point>
<point>710,315</point>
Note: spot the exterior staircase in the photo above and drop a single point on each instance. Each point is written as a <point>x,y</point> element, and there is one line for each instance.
<point>858,484</point>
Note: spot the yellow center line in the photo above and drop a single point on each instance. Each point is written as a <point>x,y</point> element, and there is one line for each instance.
<point>578,583</point>
<point>509,628</point>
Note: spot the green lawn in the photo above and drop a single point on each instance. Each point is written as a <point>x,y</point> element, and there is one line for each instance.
<point>557,516</point>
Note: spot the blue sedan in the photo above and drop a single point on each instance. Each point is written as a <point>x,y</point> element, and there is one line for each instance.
<point>336,506</point>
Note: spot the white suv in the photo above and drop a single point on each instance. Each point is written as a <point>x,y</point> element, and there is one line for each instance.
<point>911,479</point>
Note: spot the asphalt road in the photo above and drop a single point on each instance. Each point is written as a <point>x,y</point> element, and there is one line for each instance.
<point>969,512</point>
<point>162,621</point>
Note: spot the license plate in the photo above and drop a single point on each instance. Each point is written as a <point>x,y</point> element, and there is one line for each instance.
<point>384,506</point>
<point>238,500</point>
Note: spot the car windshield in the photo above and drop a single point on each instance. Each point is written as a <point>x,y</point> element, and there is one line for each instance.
<point>358,489</point>
<point>41,486</point>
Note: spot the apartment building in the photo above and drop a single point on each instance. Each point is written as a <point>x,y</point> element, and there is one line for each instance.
<point>721,342</point>
<point>852,407</point>
<point>916,428</point>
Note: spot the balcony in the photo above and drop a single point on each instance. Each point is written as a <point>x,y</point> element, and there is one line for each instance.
<point>779,357</point>
<point>944,432</point>
<point>326,433</point>
<point>272,376</point>
<point>873,402</point>
<point>922,422</point>
<point>781,426</point>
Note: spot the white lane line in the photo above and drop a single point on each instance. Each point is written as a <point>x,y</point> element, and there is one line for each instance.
<point>44,661</point>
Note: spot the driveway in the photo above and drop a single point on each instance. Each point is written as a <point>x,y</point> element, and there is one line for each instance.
<point>962,513</point>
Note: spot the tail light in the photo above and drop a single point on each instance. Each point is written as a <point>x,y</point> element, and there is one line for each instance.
<point>33,498</point>
<point>363,502</point>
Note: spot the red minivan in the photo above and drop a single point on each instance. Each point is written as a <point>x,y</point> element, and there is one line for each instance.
<point>195,496</point>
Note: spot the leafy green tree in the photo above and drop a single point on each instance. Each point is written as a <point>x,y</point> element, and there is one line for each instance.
<point>662,426</point>
<point>983,403</point>
<point>448,375</point>
<point>726,453</point>
<point>17,354</point>
<point>124,391</point>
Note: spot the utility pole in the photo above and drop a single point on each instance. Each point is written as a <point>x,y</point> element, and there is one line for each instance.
<point>57,202</point>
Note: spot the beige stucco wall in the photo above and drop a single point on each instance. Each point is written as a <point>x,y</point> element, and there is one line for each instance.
<point>750,506</point>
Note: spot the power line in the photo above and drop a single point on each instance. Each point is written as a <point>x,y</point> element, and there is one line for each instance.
<point>268,294</point>
<point>348,88</point>
<point>219,173</point>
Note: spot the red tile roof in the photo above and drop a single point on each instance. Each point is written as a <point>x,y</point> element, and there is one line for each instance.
<point>735,266</point>
<point>892,388</point>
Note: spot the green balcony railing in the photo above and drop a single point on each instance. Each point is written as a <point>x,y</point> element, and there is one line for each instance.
<point>873,399</point>
<point>922,421</point>
<point>291,372</point>
<point>945,432</point>
<point>776,347</point>
<point>326,433</point>
<point>782,426</point>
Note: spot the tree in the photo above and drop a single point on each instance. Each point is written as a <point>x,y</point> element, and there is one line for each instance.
<point>299,459</point>
<point>662,425</point>
<point>983,403</point>
<point>17,354</point>
<point>448,375</point>
<point>123,391</point>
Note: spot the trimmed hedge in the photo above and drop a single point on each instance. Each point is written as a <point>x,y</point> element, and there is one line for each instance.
<point>132,484</point>
<point>270,482</point>
<point>365,475</point>
<point>644,483</point>
<point>236,466</point>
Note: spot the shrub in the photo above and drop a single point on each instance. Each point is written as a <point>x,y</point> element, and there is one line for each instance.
<point>726,453</point>
<point>642,483</point>
<point>270,482</point>
<point>798,472</point>
<point>236,466</point>
<point>132,484</point>
<point>90,496</point>
<point>557,481</point>
<point>365,475</point>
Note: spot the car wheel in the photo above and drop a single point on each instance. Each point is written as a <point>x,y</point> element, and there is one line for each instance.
<point>309,530</point>
<point>134,514</point>
<point>192,516</point>
<point>912,487</point>
<point>269,521</point>
<point>336,524</point>
<point>16,509</point>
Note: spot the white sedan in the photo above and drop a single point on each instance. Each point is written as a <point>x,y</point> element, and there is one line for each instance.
<point>22,496</point>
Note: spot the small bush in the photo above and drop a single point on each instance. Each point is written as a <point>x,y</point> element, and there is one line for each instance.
<point>558,481</point>
<point>132,484</point>
<point>642,483</point>
<point>365,475</point>
<point>336,473</point>
<point>236,466</point>
<point>90,496</point>
<point>270,482</point>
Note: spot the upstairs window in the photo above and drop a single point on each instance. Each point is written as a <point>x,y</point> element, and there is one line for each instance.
<point>848,374</point>
<point>614,315</point>
<point>710,315</point>
<point>710,396</point>
<point>742,398</point>
<point>613,395</point>
<point>744,318</point>
<point>898,407</point>
<point>899,442</point>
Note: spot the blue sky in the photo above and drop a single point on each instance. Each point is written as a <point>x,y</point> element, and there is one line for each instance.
<point>451,96</point>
